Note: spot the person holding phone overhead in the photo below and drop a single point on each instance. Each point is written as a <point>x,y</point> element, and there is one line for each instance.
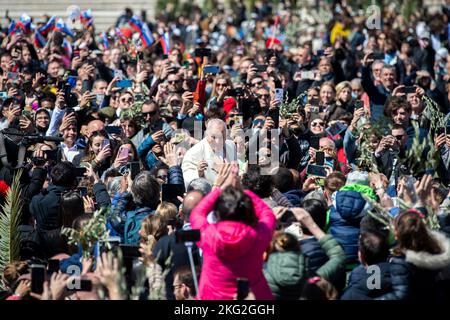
<point>378,94</point>
<point>98,152</point>
<point>154,128</point>
<point>142,194</point>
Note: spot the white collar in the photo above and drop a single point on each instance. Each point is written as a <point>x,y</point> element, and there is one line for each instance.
<point>65,146</point>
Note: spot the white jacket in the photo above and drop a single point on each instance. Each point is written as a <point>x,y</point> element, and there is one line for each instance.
<point>203,151</point>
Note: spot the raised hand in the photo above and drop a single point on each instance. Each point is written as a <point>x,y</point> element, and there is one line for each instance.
<point>108,271</point>
<point>89,205</point>
<point>170,156</point>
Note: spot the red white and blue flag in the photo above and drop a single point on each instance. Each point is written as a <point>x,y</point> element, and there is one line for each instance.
<point>25,23</point>
<point>63,27</point>
<point>39,40</point>
<point>146,36</point>
<point>86,18</point>
<point>67,48</point>
<point>165,42</point>
<point>49,26</point>
<point>105,41</point>
<point>135,24</point>
<point>13,27</point>
<point>144,32</point>
<point>120,35</point>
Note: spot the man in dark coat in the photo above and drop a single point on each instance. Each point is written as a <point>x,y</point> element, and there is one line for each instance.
<point>167,247</point>
<point>44,207</point>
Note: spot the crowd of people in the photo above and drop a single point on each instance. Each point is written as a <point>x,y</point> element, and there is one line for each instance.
<point>270,153</point>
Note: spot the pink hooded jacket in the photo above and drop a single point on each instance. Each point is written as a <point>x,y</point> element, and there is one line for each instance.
<point>232,250</point>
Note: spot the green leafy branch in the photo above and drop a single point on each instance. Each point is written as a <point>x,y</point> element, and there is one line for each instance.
<point>10,218</point>
<point>93,231</point>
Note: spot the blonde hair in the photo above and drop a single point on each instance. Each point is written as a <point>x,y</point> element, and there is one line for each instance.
<point>167,211</point>
<point>341,86</point>
<point>153,226</point>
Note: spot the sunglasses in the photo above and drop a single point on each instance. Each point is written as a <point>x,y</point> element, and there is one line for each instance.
<point>221,84</point>
<point>127,100</point>
<point>151,113</point>
<point>162,177</point>
<point>174,81</point>
<point>257,83</point>
<point>399,137</point>
<point>263,95</point>
<point>315,124</point>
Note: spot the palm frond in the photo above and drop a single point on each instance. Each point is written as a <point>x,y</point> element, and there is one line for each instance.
<point>9,224</point>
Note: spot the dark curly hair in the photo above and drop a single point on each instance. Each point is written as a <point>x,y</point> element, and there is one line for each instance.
<point>259,184</point>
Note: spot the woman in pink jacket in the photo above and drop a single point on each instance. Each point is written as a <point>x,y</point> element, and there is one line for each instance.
<point>234,246</point>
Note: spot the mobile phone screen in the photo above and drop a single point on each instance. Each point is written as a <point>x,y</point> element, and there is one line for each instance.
<point>105,143</point>
<point>124,84</point>
<point>130,251</point>
<point>314,143</point>
<point>53,265</point>
<point>171,192</point>
<point>37,278</point>
<point>83,191</point>
<point>211,69</point>
<point>320,158</point>
<point>113,130</point>
<point>134,169</point>
<point>315,170</point>
<point>124,151</point>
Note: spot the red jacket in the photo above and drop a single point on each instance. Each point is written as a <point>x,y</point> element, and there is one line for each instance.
<point>233,250</point>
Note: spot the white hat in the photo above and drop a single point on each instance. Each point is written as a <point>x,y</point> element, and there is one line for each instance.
<point>358,177</point>
<point>424,34</point>
<point>442,53</point>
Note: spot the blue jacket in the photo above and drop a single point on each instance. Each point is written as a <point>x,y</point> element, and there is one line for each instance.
<point>133,224</point>
<point>349,207</point>
<point>144,151</point>
<point>316,256</point>
<point>295,197</point>
<point>125,220</point>
<point>358,289</point>
<point>176,175</point>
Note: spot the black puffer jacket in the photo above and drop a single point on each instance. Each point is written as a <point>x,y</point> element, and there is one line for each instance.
<point>316,256</point>
<point>414,275</point>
